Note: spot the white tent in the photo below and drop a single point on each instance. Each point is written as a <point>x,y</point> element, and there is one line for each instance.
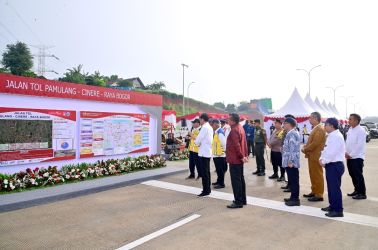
<point>312,104</point>
<point>295,106</point>
<point>323,111</point>
<point>324,104</point>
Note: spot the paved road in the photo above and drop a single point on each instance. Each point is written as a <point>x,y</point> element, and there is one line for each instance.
<point>113,218</point>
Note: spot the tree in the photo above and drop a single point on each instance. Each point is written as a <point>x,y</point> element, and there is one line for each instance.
<point>243,106</point>
<point>96,79</point>
<point>231,108</point>
<point>113,78</point>
<point>74,75</point>
<point>219,105</point>
<point>156,86</point>
<point>17,58</point>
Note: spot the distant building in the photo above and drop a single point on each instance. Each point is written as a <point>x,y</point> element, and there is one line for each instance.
<point>135,82</point>
<point>263,105</point>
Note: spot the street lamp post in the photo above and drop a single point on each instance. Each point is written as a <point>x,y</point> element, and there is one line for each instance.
<point>309,77</point>
<point>187,91</point>
<point>354,106</point>
<point>183,86</point>
<point>346,105</point>
<point>334,92</point>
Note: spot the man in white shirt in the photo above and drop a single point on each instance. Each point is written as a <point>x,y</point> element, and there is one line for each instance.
<point>331,159</point>
<point>355,155</point>
<point>205,140</point>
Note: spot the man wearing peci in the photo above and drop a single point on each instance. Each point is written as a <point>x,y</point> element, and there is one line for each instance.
<point>331,159</point>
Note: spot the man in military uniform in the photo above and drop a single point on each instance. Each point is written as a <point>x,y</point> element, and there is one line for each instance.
<point>260,142</point>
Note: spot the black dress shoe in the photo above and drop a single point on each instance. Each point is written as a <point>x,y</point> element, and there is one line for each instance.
<point>190,177</point>
<point>261,174</point>
<point>353,194</point>
<point>315,199</point>
<point>244,202</point>
<point>285,187</point>
<point>287,190</point>
<point>203,194</point>
<point>334,214</point>
<point>273,176</point>
<point>214,183</point>
<point>359,197</point>
<point>292,203</point>
<point>326,209</point>
<point>256,172</point>
<point>219,186</point>
<point>287,199</point>
<point>234,205</point>
<point>310,195</point>
<point>281,179</point>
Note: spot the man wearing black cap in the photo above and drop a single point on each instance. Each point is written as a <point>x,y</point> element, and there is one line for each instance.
<point>286,188</point>
<point>193,150</point>
<point>332,159</point>
<point>219,153</point>
<point>205,140</point>
<point>275,145</point>
<point>260,142</point>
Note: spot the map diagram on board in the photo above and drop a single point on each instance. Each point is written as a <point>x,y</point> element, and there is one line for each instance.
<point>104,133</point>
<point>36,135</point>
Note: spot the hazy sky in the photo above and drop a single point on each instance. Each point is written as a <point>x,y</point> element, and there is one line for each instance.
<point>236,50</point>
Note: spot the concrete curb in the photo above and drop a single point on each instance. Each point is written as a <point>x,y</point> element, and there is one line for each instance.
<point>16,201</point>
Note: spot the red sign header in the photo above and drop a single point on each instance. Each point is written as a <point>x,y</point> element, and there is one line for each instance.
<point>40,87</point>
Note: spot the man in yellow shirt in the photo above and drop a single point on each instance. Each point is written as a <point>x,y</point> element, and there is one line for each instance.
<point>193,150</point>
<point>219,153</point>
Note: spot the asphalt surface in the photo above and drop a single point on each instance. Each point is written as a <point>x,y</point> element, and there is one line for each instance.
<point>116,217</point>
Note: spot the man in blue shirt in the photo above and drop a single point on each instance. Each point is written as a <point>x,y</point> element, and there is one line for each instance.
<point>250,135</point>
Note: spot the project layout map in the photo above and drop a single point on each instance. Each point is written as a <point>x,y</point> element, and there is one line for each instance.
<point>36,135</point>
<point>104,133</point>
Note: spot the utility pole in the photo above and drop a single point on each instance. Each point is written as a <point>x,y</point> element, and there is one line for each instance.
<point>346,105</point>
<point>183,86</point>
<point>42,54</point>
<point>334,93</point>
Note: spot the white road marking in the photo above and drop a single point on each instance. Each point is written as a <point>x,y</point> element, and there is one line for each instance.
<point>272,204</point>
<point>159,232</point>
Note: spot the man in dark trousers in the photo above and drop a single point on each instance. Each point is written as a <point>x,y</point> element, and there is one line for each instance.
<point>355,155</point>
<point>332,159</point>
<point>249,133</point>
<point>205,140</point>
<point>237,155</point>
<point>260,142</point>
<point>193,150</point>
<point>219,154</point>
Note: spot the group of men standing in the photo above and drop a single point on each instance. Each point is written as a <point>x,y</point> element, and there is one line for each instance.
<point>325,149</point>
<point>225,142</point>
